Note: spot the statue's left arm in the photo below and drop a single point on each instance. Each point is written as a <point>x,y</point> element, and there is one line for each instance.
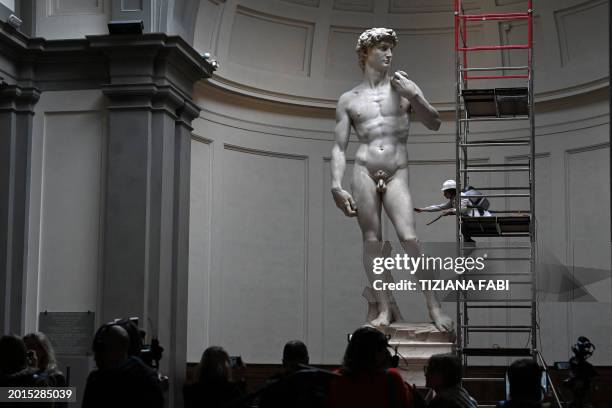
<point>423,109</point>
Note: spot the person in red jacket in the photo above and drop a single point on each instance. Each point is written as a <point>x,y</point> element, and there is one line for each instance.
<point>365,377</point>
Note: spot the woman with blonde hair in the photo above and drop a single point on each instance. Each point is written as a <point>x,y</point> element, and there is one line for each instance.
<point>42,356</point>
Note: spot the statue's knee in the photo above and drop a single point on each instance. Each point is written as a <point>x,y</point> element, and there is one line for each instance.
<point>409,238</point>
<point>370,237</point>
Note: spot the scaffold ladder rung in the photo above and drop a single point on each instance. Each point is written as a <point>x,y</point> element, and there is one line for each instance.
<point>502,188</point>
<point>492,170</point>
<point>500,195</point>
<point>495,16</point>
<point>499,306</point>
<point>494,69</point>
<point>494,119</point>
<point>491,144</point>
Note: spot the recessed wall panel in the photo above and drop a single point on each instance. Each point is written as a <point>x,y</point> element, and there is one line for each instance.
<point>583,32</point>
<point>588,209</point>
<point>207,25</point>
<point>308,3</point>
<point>354,5</point>
<point>262,256</point>
<point>427,6</point>
<point>342,62</point>
<point>199,249</point>
<point>71,211</point>
<point>271,43</point>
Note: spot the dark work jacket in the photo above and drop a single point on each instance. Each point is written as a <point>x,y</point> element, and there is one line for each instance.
<point>133,384</point>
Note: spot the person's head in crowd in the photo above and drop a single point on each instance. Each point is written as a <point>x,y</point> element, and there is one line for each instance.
<point>111,346</point>
<point>43,352</point>
<point>443,371</point>
<point>214,365</point>
<point>295,353</point>
<point>13,355</point>
<point>366,352</point>
<point>525,377</point>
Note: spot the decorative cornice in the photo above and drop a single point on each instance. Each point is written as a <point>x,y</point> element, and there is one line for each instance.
<point>96,60</point>
<point>442,106</point>
<point>18,99</point>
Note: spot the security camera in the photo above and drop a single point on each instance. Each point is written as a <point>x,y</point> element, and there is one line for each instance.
<point>14,21</point>
<point>208,57</point>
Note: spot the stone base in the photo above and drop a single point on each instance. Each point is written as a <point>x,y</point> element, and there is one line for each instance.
<point>416,343</point>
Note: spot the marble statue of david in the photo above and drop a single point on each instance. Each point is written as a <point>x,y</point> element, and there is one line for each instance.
<point>378,111</point>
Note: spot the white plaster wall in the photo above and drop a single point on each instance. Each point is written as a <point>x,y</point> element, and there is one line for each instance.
<point>280,261</point>
<point>302,52</point>
<point>65,204</point>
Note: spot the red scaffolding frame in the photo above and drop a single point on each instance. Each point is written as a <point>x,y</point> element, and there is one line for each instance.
<point>461,39</point>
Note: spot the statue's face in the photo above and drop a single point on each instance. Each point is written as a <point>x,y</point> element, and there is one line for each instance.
<point>380,55</point>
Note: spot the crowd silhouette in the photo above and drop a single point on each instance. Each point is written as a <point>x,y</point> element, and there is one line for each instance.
<point>367,376</point>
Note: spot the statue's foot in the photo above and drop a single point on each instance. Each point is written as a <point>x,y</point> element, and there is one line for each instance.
<point>372,311</point>
<point>442,321</point>
<point>396,315</point>
<point>383,319</point>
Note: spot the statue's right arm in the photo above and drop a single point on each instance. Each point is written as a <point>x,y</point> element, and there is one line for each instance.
<point>343,199</point>
<point>341,138</point>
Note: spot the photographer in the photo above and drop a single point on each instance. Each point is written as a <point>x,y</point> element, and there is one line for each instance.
<point>122,379</point>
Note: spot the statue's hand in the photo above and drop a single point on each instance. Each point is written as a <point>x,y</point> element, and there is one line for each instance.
<point>345,202</point>
<point>403,85</point>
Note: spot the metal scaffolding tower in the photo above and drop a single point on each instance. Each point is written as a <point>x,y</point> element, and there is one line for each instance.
<point>475,106</point>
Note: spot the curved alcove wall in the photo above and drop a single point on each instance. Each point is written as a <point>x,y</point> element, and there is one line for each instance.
<point>303,51</point>
<point>273,259</point>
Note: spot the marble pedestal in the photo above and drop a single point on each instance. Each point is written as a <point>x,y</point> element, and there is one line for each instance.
<point>416,343</point>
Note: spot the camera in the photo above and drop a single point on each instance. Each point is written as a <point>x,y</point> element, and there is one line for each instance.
<point>581,373</point>
<point>236,362</point>
<point>150,354</point>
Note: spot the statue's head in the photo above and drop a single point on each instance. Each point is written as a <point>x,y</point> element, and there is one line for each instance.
<point>371,38</point>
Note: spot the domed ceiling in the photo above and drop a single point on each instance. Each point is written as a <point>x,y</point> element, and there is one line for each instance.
<point>302,51</point>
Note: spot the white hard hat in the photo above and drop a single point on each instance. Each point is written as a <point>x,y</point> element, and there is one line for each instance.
<point>448,185</point>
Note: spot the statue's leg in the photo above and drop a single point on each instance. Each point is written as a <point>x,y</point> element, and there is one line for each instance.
<point>368,215</point>
<point>398,205</point>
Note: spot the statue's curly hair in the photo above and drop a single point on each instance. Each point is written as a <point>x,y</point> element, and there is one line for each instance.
<point>370,38</point>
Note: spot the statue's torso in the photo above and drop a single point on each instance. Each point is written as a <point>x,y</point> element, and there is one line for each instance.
<point>380,119</point>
